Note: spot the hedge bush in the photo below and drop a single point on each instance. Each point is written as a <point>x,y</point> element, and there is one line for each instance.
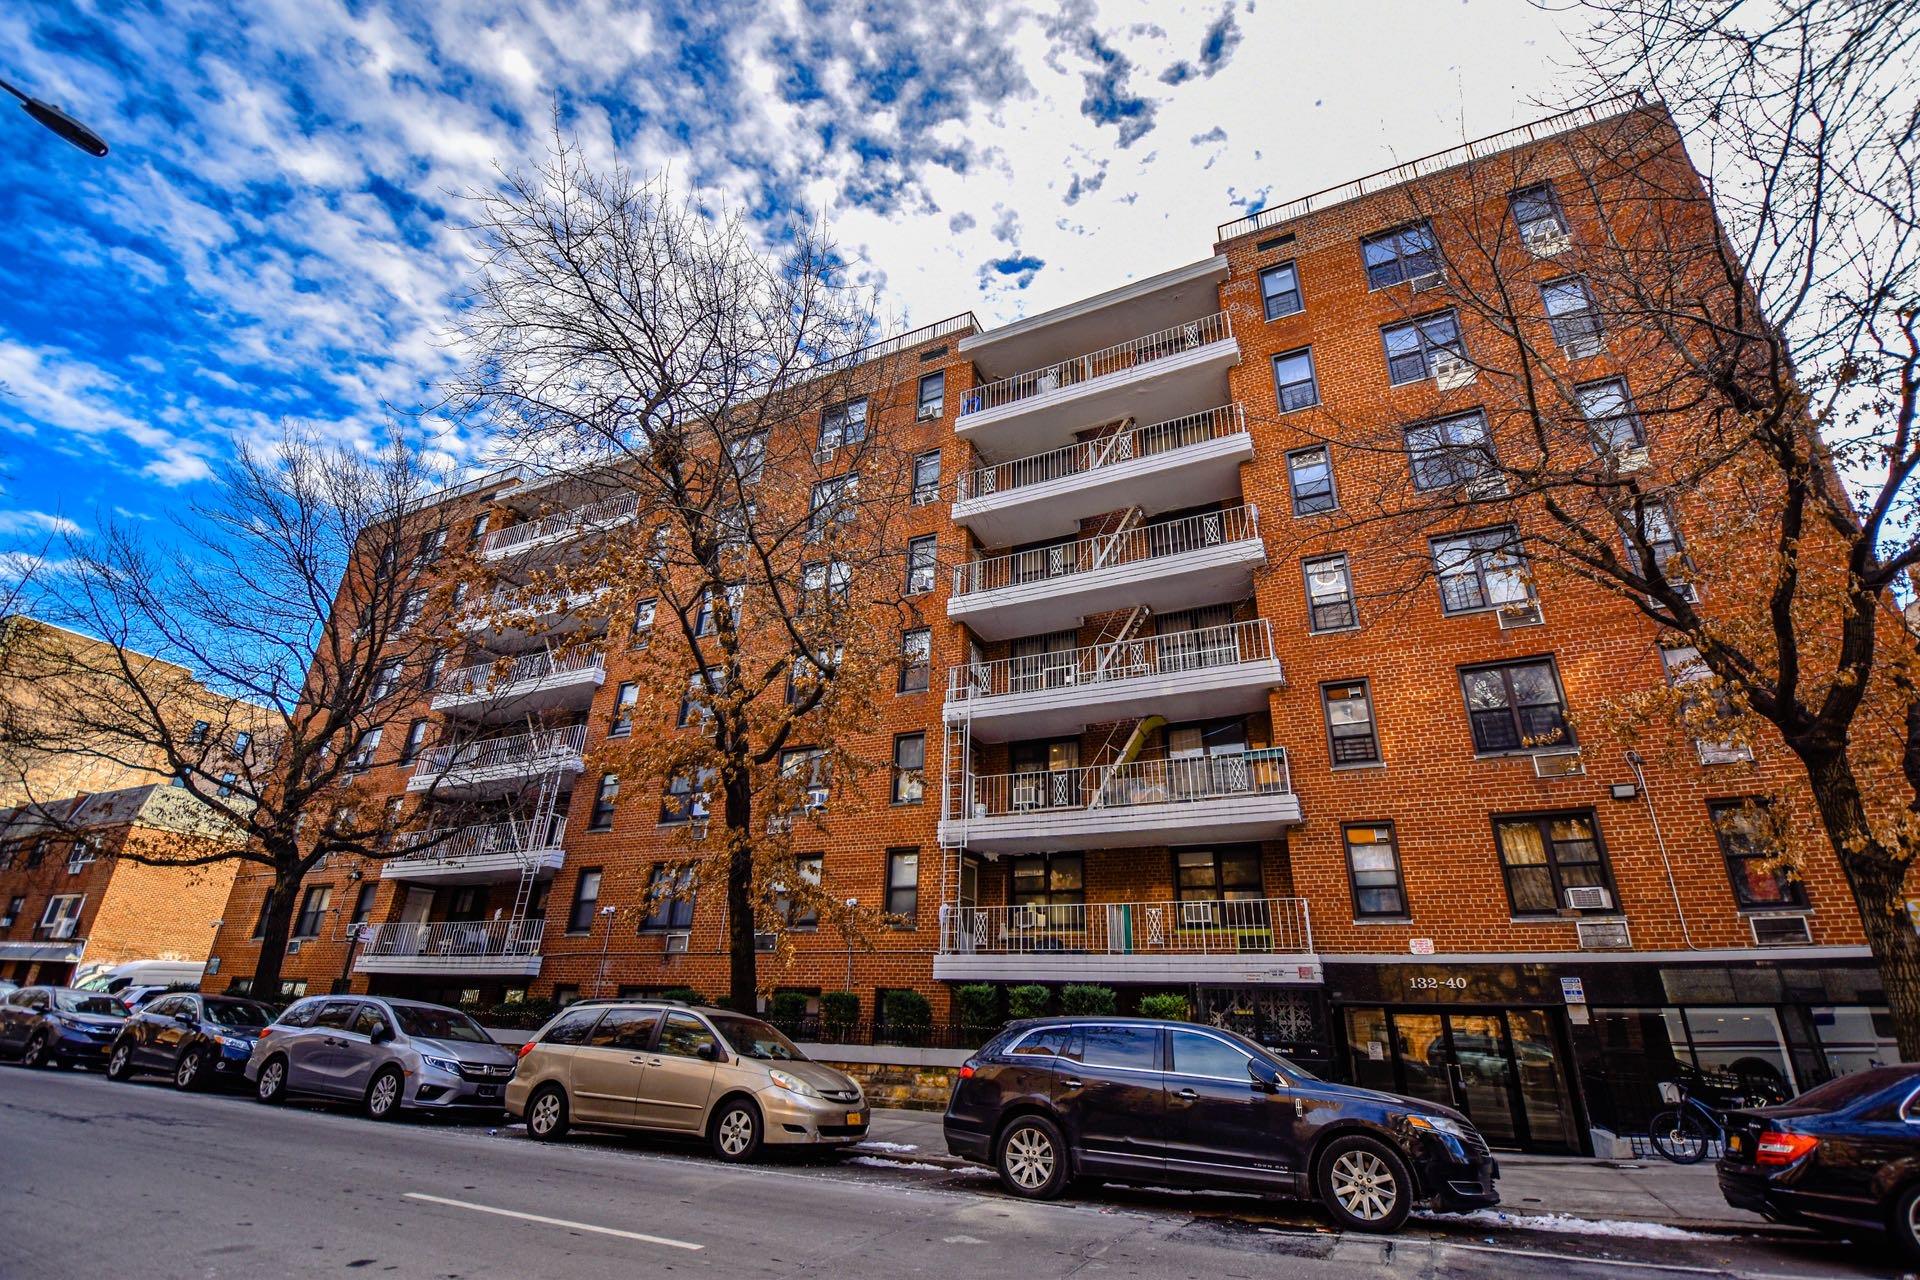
<point>1082,998</point>
<point>1165,1005</point>
<point>977,1004</point>
<point>787,1006</point>
<point>1029,1000</point>
<point>686,995</point>
<point>839,1013</point>
<point>907,1015</point>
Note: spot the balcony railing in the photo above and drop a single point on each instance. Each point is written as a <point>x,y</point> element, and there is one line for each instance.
<point>443,847</point>
<point>1091,455</point>
<point>1278,926</point>
<point>607,511</point>
<point>1144,542</point>
<point>1131,354</point>
<point>492,677</point>
<point>505,606</point>
<point>1176,653</point>
<point>1144,782</point>
<point>525,750</point>
<point>452,939</point>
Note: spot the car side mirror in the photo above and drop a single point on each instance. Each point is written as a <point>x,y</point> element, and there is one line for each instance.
<point>185,1016</point>
<point>381,1033</point>
<point>1264,1077</point>
<point>707,1053</point>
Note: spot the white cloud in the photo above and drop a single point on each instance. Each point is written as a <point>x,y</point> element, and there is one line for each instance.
<point>13,522</point>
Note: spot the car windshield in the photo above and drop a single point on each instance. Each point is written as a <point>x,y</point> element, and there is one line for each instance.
<point>86,1002</point>
<point>440,1024</point>
<point>1842,1092</point>
<point>237,1013</point>
<point>752,1038</point>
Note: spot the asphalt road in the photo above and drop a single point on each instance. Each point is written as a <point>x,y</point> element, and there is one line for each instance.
<point>139,1180</point>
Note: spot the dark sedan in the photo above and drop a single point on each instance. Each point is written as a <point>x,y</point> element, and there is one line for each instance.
<point>1842,1158</point>
<point>1174,1103</point>
<point>198,1040</point>
<point>55,1026</point>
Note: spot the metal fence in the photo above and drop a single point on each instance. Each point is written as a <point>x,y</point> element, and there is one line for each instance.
<point>492,676</point>
<point>453,938</point>
<point>527,749</point>
<point>1177,340</point>
<point>1177,652</point>
<point>1089,456</point>
<point>1143,782</point>
<point>1209,927</point>
<point>606,512</point>
<point>1084,555</point>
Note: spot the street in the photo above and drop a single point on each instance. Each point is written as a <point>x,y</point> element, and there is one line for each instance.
<point>120,1179</point>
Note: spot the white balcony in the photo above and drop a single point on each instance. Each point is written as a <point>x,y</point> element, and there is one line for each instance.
<point>506,618</point>
<point>499,947</point>
<point>1148,378</point>
<point>1262,940</point>
<point>1183,462</point>
<point>1213,671</point>
<point>595,517</point>
<point>495,765</point>
<point>488,854</point>
<point>492,691</point>
<point>1247,795</point>
<point>1197,560</point>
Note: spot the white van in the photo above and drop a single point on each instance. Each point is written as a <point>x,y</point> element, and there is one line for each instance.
<point>115,979</point>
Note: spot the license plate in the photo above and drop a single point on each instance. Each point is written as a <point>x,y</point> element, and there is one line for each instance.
<point>1736,1144</point>
<point>489,1090</point>
<point>856,1117</point>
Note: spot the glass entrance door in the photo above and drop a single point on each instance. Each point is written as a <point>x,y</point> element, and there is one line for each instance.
<point>1483,1074</point>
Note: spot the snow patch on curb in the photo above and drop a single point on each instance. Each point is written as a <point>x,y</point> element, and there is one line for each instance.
<point>1566,1224</point>
<point>875,1162</point>
<point>884,1146</point>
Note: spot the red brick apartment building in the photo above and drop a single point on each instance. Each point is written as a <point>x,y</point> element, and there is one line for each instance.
<point>1159,730</point>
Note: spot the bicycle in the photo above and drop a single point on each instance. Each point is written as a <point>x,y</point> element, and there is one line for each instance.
<point>1683,1133</point>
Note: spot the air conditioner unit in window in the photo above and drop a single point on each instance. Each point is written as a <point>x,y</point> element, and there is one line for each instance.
<point>1520,613</point>
<point>1027,918</point>
<point>677,943</point>
<point>293,946</point>
<point>823,455</point>
<point>1603,935</point>
<point>1721,752</point>
<point>1450,372</point>
<point>1196,913</point>
<point>1431,280</point>
<point>1589,897</point>
<point>1558,764</point>
<point>763,942</point>
<point>1629,459</point>
<point>1547,241</point>
<point>1026,796</point>
<point>1781,931</point>
<point>1481,488</point>
<point>1582,348</point>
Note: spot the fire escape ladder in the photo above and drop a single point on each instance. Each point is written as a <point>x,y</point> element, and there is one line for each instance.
<point>1112,546</point>
<point>1103,793</point>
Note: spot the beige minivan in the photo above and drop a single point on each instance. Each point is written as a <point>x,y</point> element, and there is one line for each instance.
<point>647,1064</point>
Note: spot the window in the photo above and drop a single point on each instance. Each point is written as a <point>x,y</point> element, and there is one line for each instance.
<point>1047,880</point>
<point>1612,424</point>
<point>1654,526</point>
<point>242,741</point>
<point>586,901</point>
<point>15,906</point>
<point>627,1029</point>
<point>1310,475</point>
<point>1405,253</point>
<point>80,856</point>
<point>692,702</point>
<point>481,523</point>
<point>920,555</point>
<point>1516,706</point>
<point>1759,877</point>
<point>363,751</point>
<point>926,478</point>
<point>386,678</point>
<point>808,868</point>
<point>903,885</point>
<point>416,739</point>
<point>1198,1054</point>
<point>1350,734</point>
<point>670,898</point>
<point>198,734</point>
<point>227,780</point>
<point>686,798</point>
<point>601,818</point>
<point>436,665</point>
<point>62,915</point>
<point>1414,346</point>
<point>835,501</point>
<point>1280,290</point>
<point>1571,313</point>
<point>807,768</point>
<point>844,424</point>
<point>909,768</point>
<point>1481,570</point>
<point>623,703</point>
<point>431,544</point>
<point>684,1036</point>
<point>808,673</point>
<point>1373,870</point>
<point>706,622</point>
<point>363,902</point>
<point>313,910</point>
<point>643,623</point>
<point>1128,1047</point>
<point>1293,384</point>
<point>1537,213</point>
<point>1330,595</point>
<point>916,659</point>
<point>1544,855</point>
<point>1452,451</point>
<point>1705,706</point>
<point>749,455</point>
<point>825,584</point>
<point>1218,875</point>
<point>933,397</point>
<point>411,608</point>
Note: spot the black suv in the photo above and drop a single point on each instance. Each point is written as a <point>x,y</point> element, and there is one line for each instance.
<point>1173,1103</point>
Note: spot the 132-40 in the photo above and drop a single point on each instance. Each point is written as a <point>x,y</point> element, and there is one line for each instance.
<point>1423,983</point>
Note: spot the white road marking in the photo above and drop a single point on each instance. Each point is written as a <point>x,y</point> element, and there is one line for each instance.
<point>557,1222</point>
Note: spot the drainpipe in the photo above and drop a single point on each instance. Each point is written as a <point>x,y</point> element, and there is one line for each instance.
<point>1634,762</point>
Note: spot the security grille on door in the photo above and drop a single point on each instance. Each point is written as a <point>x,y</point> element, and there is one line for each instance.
<point>1780,931</point>
<point>1588,898</point>
<point>1603,935</point>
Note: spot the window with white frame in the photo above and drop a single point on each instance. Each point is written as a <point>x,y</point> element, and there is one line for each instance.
<point>62,915</point>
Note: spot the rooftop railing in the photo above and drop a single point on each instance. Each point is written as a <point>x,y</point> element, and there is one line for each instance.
<point>1089,456</point>
<point>1131,354</point>
<point>1175,653</point>
<point>1106,551</point>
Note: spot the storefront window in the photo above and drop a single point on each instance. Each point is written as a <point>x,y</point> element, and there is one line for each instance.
<point>1745,1043</point>
<point>1855,1038</point>
<point>1631,1052</point>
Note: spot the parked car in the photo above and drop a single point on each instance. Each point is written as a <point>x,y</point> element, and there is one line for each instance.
<point>389,1055</point>
<point>56,1026</point>
<point>137,998</point>
<point>1841,1158</point>
<point>117,979</point>
<point>198,1040</point>
<point>731,1079</point>
<point>1142,1100</point>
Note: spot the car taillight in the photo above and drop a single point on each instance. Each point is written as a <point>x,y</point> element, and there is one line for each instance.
<point>265,1032</point>
<point>1775,1147</point>
<point>526,1049</point>
<point>966,1071</point>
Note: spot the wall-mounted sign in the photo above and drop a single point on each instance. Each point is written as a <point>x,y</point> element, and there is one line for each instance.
<point>1574,990</point>
<point>1420,946</point>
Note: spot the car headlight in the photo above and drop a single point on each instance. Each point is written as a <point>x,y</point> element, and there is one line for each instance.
<point>447,1065</point>
<point>793,1084</point>
<point>1437,1124</point>
<point>241,1043</point>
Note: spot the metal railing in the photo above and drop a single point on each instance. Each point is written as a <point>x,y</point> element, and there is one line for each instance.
<point>504,605</point>
<point>1478,149</point>
<point>1211,927</point>
<point>1131,354</point>
<point>607,511</point>
<point>1091,455</point>
<point>1202,649</point>
<point>452,938</point>
<point>444,847</point>
<point>492,677</point>
<point>1261,772</point>
<point>1142,542</point>
<point>528,750</point>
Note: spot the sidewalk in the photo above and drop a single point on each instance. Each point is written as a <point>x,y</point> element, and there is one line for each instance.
<point>1685,1196</point>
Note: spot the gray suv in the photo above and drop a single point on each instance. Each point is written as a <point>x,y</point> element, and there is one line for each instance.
<point>387,1054</point>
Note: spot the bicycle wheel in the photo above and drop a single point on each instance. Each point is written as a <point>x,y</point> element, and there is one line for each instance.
<point>1680,1136</point>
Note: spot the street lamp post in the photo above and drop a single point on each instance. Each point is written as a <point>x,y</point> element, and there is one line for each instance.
<point>60,122</point>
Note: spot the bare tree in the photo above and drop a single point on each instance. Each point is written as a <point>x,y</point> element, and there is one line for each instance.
<point>720,407</point>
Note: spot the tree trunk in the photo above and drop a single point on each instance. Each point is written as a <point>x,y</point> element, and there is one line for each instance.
<point>281,899</point>
<point>744,984</point>
<point>1878,880</point>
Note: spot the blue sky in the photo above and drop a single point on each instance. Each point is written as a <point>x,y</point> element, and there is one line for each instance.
<point>274,235</point>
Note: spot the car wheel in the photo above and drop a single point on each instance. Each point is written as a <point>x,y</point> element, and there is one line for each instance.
<point>384,1095</point>
<point>736,1131</point>
<point>1364,1185</point>
<point>35,1054</point>
<point>186,1072</point>
<point>271,1084</point>
<point>1033,1159</point>
<point>547,1114</point>
<point>1904,1223</point>
<point>1679,1136</point>
<point>120,1062</point>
